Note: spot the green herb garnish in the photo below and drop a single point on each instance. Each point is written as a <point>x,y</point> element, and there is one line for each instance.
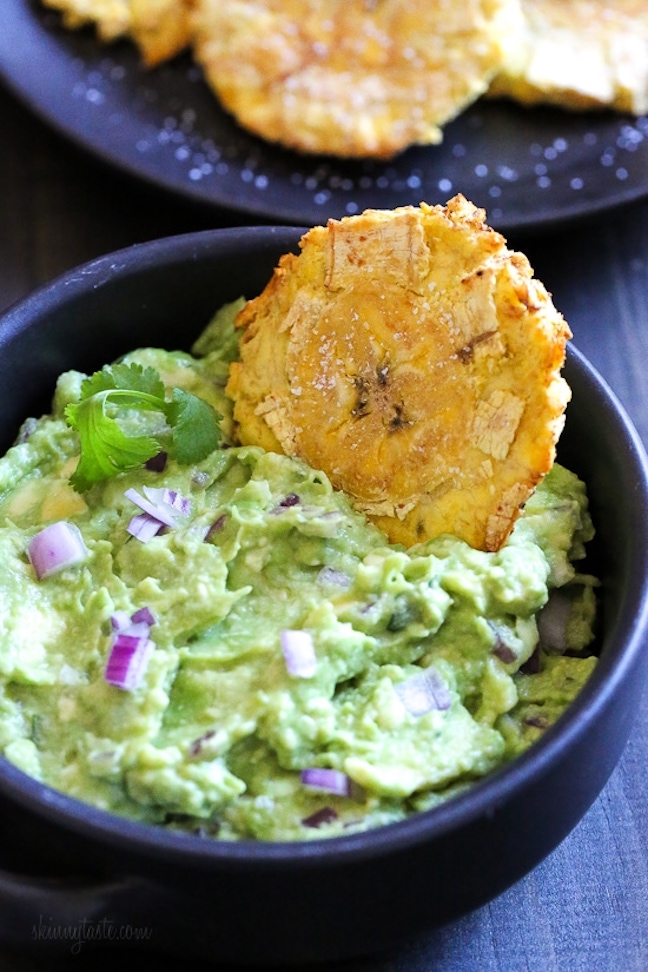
<point>191,429</point>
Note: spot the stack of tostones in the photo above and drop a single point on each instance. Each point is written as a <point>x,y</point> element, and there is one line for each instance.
<point>350,77</point>
<point>580,54</point>
<point>369,78</point>
<point>414,358</point>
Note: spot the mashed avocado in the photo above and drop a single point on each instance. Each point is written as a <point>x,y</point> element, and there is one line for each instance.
<point>424,667</point>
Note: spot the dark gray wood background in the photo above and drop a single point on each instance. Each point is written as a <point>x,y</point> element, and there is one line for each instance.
<point>585,909</point>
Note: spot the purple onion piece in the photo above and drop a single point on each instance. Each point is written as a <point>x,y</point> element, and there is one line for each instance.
<point>165,516</point>
<point>164,499</point>
<point>325,780</point>
<point>157,463</point>
<point>337,578</point>
<point>216,526</point>
<point>504,653</point>
<point>135,625</point>
<point>120,620</point>
<point>320,818</point>
<point>552,622</point>
<point>144,527</point>
<point>56,547</point>
<point>299,653</point>
<point>424,692</point>
<point>500,648</point>
<point>197,745</point>
<point>533,664</point>
<point>143,615</point>
<point>127,661</point>
<point>292,499</point>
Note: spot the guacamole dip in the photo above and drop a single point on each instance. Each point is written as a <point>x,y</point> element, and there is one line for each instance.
<point>298,677</point>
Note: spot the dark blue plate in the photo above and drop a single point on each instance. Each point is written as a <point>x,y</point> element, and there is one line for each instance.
<point>526,167</point>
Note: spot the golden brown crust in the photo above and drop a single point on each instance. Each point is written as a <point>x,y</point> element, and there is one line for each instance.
<point>580,54</point>
<point>415,359</point>
<point>349,77</point>
<point>369,78</point>
<point>111,17</point>
<point>160,28</point>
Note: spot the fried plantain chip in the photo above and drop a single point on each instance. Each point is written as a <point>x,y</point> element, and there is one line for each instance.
<point>580,54</point>
<point>111,17</point>
<point>353,78</point>
<point>160,28</point>
<point>414,358</point>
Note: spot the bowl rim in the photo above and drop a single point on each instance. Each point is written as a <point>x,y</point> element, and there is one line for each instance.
<point>483,796</point>
<point>99,271</point>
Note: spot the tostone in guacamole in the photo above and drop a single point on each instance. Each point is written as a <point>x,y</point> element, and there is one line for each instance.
<point>298,677</point>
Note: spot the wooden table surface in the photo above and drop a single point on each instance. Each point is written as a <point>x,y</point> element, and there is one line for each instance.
<point>586,907</point>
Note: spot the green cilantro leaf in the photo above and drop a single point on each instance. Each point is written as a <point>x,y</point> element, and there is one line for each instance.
<point>106,449</point>
<point>194,433</point>
<point>129,377</point>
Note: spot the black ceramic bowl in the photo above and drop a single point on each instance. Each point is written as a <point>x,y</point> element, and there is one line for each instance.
<point>323,899</point>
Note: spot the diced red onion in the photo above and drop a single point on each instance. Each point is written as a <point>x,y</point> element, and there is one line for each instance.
<point>292,499</point>
<point>143,615</point>
<point>299,653</point>
<point>144,527</point>
<point>504,653</point>
<point>157,463</point>
<point>162,503</point>
<point>216,526</point>
<point>56,547</point>
<point>533,664</point>
<point>197,745</point>
<point>141,630</point>
<point>330,575</point>
<point>553,620</point>
<point>320,818</point>
<point>131,647</point>
<point>163,497</point>
<point>424,692</point>
<point>165,516</point>
<point>500,648</point>
<point>325,780</point>
<point>120,620</point>
<point>127,661</point>
<point>137,624</point>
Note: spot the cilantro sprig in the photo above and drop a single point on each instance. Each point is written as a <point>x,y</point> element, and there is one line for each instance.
<point>191,424</point>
